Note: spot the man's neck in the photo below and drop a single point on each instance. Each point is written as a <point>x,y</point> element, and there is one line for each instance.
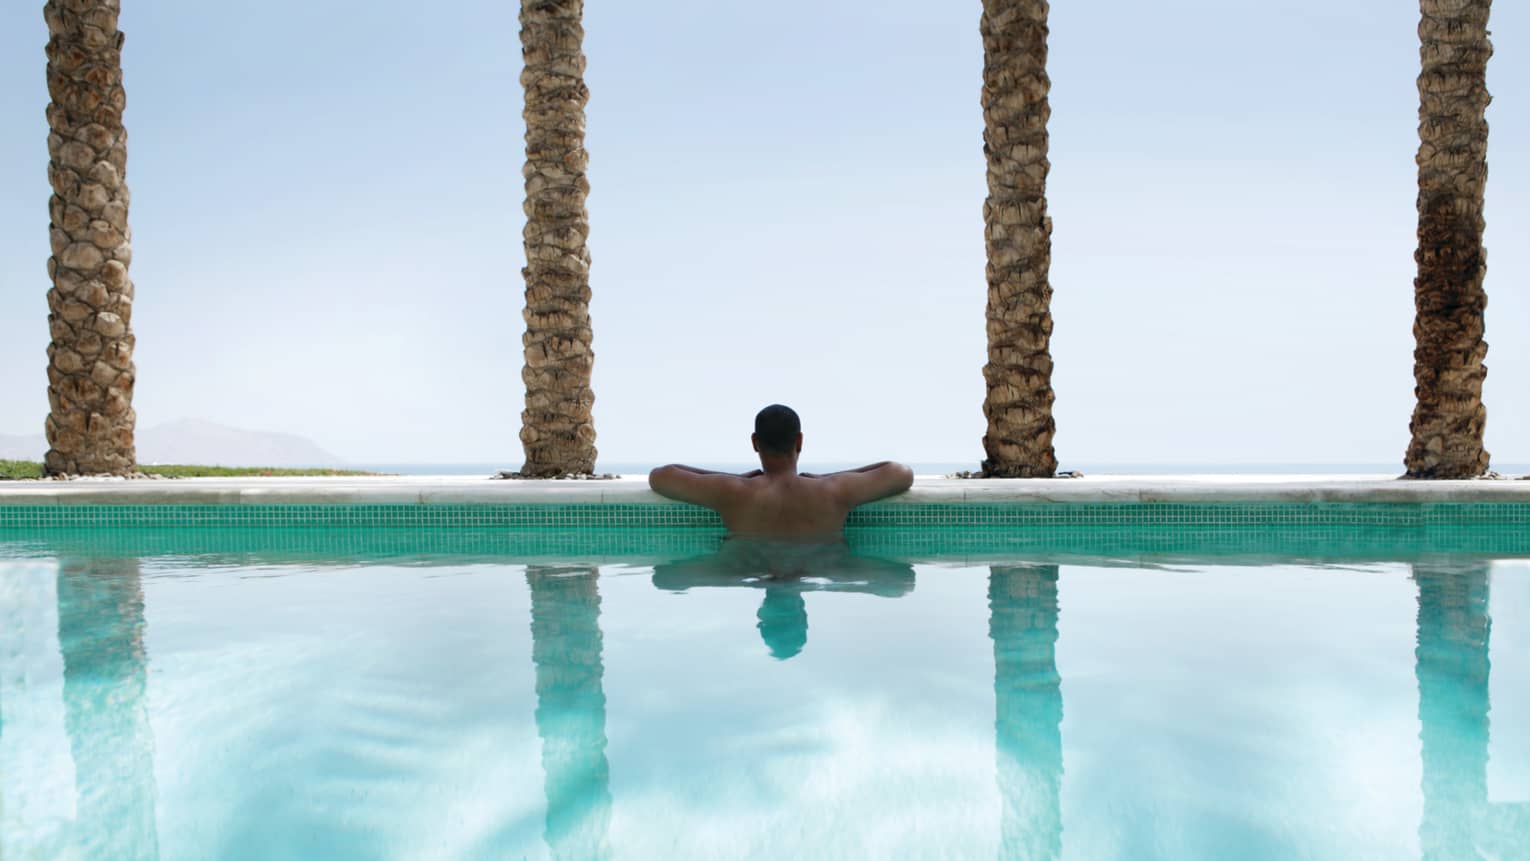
<point>775,465</point>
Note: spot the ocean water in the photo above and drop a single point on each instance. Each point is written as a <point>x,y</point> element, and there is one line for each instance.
<point>762,702</point>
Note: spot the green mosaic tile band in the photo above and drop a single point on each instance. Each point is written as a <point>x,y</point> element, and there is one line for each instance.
<point>1092,544</point>
<point>647,516</point>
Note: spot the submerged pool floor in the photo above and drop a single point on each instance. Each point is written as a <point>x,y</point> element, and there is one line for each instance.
<point>735,701</point>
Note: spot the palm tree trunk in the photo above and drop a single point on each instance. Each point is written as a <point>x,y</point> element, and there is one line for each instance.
<point>1018,406</point>
<point>1448,367</point>
<point>557,430</point>
<point>90,359</point>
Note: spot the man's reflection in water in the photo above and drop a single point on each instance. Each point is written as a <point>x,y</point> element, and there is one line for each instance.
<point>785,570</point>
<point>1022,622</point>
<point>1452,669</point>
<point>100,632</point>
<point>783,622</point>
<point>571,709</point>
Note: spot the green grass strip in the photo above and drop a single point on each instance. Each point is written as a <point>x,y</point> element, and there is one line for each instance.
<point>14,469</point>
<point>20,469</point>
<point>192,471</point>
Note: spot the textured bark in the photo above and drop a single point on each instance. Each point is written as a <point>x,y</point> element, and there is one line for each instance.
<point>557,431</point>
<point>90,308</point>
<point>1452,669</point>
<point>571,710</point>
<point>1028,703</point>
<point>1448,296</point>
<point>1018,232</point>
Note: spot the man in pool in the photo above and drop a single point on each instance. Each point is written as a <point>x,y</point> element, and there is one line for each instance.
<point>776,501</point>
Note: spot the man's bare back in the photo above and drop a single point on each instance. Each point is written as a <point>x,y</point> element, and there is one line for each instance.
<point>776,501</point>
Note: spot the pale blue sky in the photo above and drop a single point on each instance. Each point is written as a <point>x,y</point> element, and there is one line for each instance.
<point>786,206</point>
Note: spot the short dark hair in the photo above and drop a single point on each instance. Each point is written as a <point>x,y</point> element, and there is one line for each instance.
<point>776,428</point>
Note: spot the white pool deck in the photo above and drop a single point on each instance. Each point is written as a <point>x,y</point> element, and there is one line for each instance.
<point>457,490</point>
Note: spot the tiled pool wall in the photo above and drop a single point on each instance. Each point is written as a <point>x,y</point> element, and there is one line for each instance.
<point>619,515</point>
<point>322,546</point>
<point>634,532</point>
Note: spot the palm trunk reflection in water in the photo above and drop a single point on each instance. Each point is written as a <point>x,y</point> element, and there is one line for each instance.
<point>2,776</point>
<point>571,709</point>
<point>100,632</point>
<point>1452,670</point>
<point>1022,622</point>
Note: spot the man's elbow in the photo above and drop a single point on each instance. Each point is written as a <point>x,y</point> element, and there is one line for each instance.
<point>892,479</point>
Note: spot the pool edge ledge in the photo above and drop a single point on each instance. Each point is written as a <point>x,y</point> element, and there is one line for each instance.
<point>450,493</point>
<point>429,491</point>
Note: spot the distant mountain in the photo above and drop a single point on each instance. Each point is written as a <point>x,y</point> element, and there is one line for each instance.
<point>199,442</point>
<point>196,441</point>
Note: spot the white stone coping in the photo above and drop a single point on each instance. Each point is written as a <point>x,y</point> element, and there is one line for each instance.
<point>449,490</point>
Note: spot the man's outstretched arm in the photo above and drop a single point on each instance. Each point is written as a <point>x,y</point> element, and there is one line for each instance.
<point>693,484</point>
<point>867,468</point>
<point>871,482</point>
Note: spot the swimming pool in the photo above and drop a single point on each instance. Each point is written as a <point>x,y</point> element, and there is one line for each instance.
<point>1112,691</point>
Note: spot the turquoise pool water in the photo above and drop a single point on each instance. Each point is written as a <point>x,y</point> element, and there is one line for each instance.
<point>250,694</point>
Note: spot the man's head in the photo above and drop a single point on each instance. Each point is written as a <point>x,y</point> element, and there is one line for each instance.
<point>778,431</point>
